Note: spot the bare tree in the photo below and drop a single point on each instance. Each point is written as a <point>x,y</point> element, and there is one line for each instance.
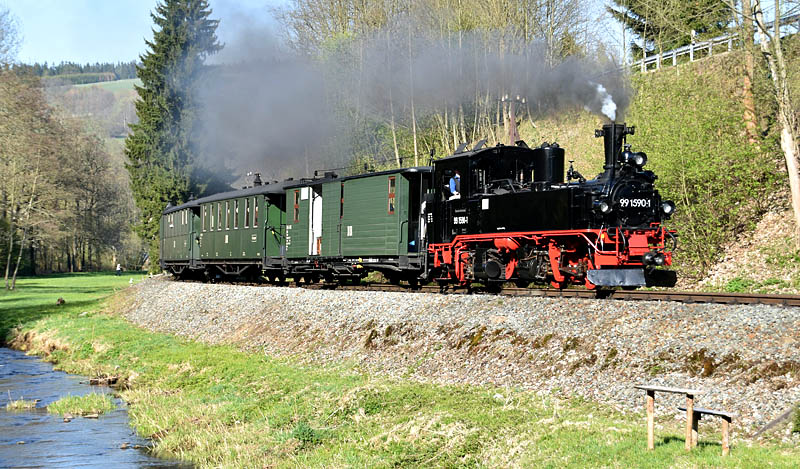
<point>9,39</point>
<point>770,43</point>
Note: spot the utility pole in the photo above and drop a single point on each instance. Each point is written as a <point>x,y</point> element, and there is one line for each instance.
<point>513,134</point>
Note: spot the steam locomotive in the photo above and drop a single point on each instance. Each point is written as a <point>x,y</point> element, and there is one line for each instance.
<point>512,218</point>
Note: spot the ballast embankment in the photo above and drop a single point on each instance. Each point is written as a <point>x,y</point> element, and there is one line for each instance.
<point>746,358</point>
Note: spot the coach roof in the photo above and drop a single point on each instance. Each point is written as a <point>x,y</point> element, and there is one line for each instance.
<point>276,188</point>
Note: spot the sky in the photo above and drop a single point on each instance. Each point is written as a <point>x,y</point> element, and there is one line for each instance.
<point>89,31</point>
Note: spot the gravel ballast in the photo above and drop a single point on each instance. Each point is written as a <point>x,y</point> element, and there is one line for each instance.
<point>745,358</point>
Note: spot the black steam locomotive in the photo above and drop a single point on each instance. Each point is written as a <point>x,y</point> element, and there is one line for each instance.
<point>516,219</point>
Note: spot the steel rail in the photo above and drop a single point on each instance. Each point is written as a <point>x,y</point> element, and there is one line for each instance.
<point>623,295</point>
<point>626,295</point>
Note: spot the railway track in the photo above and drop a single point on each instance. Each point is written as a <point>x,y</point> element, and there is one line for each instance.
<point>625,295</point>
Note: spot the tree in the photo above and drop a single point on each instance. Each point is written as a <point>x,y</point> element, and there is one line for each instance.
<point>9,40</point>
<point>161,157</point>
<point>27,154</point>
<point>663,25</point>
<point>770,44</point>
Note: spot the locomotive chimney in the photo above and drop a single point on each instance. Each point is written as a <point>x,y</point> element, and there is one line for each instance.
<point>613,139</point>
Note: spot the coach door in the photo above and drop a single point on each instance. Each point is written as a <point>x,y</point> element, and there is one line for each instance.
<point>314,220</point>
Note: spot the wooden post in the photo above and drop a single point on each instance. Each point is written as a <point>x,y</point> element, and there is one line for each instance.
<point>674,58</point>
<point>725,442</point>
<point>689,420</point>
<point>695,422</point>
<point>651,410</point>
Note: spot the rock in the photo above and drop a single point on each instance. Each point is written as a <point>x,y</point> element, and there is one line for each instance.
<point>67,420</point>
<point>20,442</point>
<point>91,416</point>
<point>105,381</point>
<point>124,446</point>
<point>85,313</point>
<point>60,301</point>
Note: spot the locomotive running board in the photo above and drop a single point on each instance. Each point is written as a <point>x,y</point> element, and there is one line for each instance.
<point>617,277</point>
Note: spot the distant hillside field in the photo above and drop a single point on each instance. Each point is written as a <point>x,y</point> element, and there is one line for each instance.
<point>118,86</point>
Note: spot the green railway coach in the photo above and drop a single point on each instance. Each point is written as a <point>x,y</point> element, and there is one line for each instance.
<point>177,225</point>
<point>234,232</point>
<point>336,226</point>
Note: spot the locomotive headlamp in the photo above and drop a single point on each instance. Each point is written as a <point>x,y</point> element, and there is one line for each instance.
<point>639,159</point>
<point>602,206</point>
<point>648,258</point>
<point>654,258</point>
<point>668,207</point>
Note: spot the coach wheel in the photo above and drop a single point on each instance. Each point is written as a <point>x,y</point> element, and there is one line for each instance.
<point>521,283</point>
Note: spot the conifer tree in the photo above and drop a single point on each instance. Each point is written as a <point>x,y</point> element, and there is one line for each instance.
<point>161,161</point>
<point>668,24</point>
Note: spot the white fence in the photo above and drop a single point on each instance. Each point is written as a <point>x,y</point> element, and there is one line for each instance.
<point>698,50</point>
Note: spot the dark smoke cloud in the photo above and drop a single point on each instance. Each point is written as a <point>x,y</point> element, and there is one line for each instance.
<point>270,110</point>
<point>264,109</point>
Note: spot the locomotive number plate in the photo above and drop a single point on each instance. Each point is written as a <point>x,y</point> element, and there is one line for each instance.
<point>460,220</point>
<point>634,203</point>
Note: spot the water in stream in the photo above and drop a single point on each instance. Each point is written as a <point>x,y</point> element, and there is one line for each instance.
<point>34,438</point>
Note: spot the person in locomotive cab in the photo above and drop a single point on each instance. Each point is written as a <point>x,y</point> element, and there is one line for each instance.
<point>455,186</point>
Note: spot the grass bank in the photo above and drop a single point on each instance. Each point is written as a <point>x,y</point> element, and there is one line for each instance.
<point>89,404</point>
<point>218,406</point>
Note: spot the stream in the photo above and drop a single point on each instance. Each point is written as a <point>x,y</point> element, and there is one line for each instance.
<point>34,438</point>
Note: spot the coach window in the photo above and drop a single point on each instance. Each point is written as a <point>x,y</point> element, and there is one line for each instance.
<point>219,216</point>
<point>205,215</point>
<point>255,212</point>
<point>247,212</point>
<point>227,215</point>
<point>211,216</point>
<point>392,190</point>
<point>296,206</point>
<point>236,214</point>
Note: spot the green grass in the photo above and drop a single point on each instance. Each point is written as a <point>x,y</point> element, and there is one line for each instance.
<point>117,86</point>
<point>35,297</point>
<point>219,406</point>
<point>21,404</point>
<point>93,403</point>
